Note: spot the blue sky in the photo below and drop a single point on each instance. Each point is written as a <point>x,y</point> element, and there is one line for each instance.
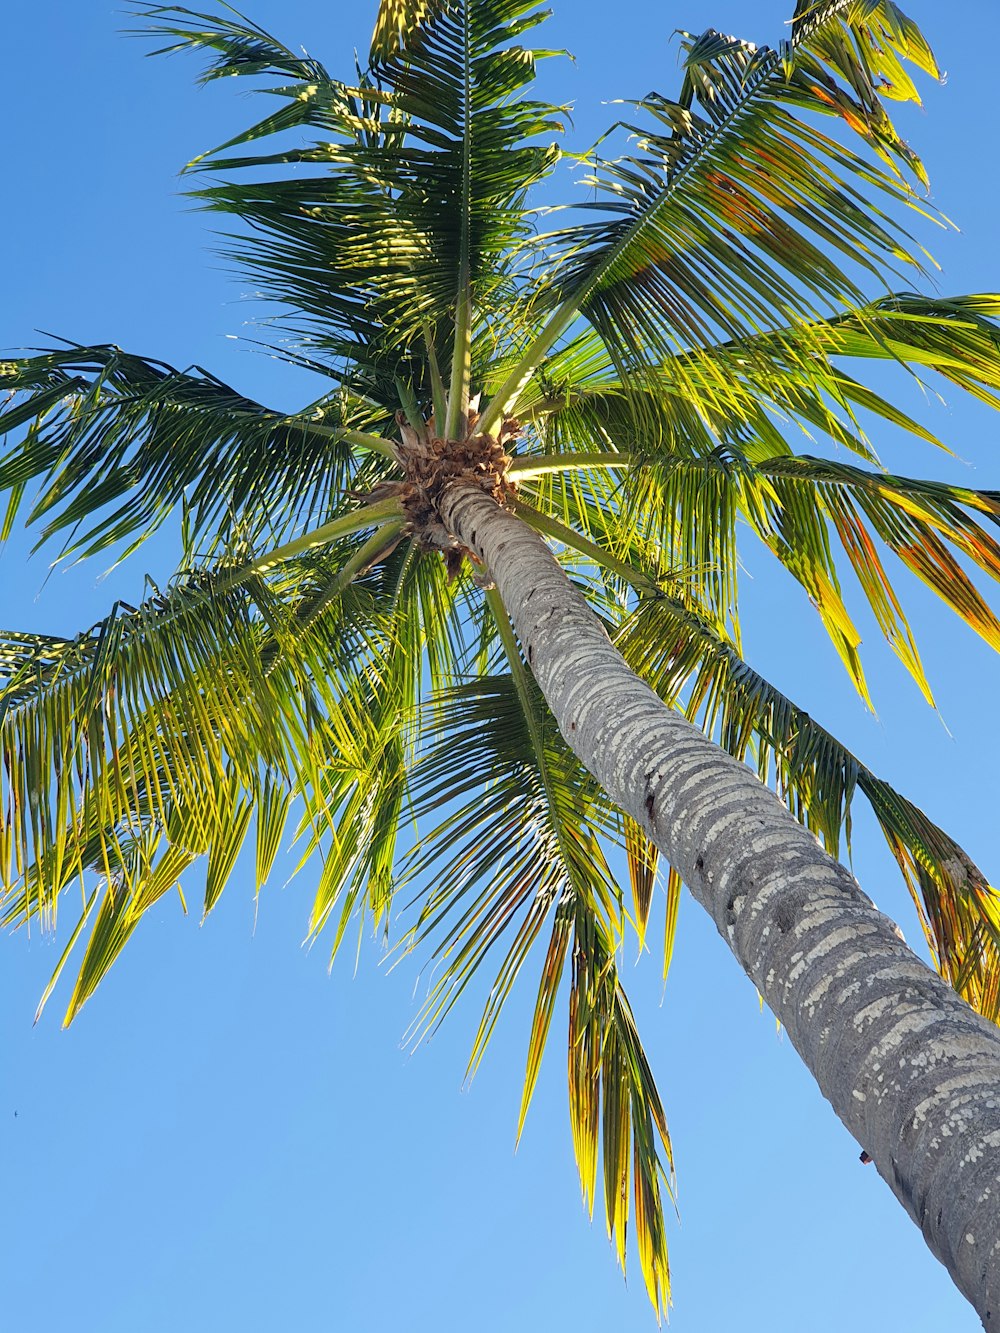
<point>230,1138</point>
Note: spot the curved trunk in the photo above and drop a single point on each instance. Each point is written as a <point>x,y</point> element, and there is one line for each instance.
<point>910,1068</point>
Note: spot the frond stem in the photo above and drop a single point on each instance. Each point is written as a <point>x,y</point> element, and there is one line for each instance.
<point>505,398</point>
<point>368,554</point>
<point>371,443</point>
<point>551,527</point>
<point>456,421</point>
<point>375,515</point>
<point>439,395</point>
<point>539,465</point>
<point>359,438</point>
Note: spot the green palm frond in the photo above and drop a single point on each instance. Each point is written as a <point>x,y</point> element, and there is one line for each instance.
<point>686,471</point>
<point>612,1091</point>
<point>399,21</point>
<point>118,443</point>
<point>578,402</point>
<point>240,46</point>
<point>470,135</point>
<point>869,48</point>
<point>517,853</point>
<point>512,856</point>
<point>166,726</point>
<point>798,505</point>
<point>678,493</point>
<point>417,212</point>
<point>162,735</point>
<point>957,337</point>
<point>801,374</point>
<point>353,797</point>
<point>331,244</point>
<point>739,215</point>
<point>644,418</point>
<point>643,866</point>
<point>917,520</point>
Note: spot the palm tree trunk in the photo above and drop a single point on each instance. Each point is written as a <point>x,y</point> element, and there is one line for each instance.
<point>912,1071</point>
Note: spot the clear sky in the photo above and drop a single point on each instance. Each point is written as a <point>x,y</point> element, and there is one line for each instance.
<point>230,1139</point>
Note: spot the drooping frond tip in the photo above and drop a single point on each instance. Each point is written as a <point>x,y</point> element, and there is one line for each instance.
<point>509,863</point>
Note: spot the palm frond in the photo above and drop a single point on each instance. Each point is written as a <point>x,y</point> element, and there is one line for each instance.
<point>957,337</point>
<point>800,374</point>
<point>577,401</point>
<point>612,1092</point>
<point>469,136</point>
<point>353,798</point>
<point>917,520</point>
<point>674,510</point>
<point>166,727</point>
<point>329,245</point>
<point>417,210</point>
<point>798,504</point>
<point>737,215</point>
<point>399,21</point>
<point>240,47</point>
<point>118,443</point>
<point>518,851</point>
<point>643,860</point>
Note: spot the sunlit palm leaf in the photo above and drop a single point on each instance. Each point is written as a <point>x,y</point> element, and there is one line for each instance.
<point>670,502</point>
<point>399,21</point>
<point>578,406</point>
<point>612,1093</point>
<point>957,337</point>
<point>523,852</point>
<point>642,864</point>
<point>796,504</point>
<point>240,46</point>
<point>118,443</point>
<point>354,801</point>
<point>418,209</point>
<point>578,402</point>
<point>121,908</point>
<point>728,221</point>
<point>469,136</point>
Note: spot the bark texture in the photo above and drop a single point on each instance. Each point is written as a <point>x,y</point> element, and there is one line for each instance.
<point>911,1070</point>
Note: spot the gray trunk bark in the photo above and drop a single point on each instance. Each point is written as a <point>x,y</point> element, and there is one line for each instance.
<point>909,1068</point>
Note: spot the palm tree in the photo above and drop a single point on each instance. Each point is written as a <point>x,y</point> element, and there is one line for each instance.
<point>489,579</point>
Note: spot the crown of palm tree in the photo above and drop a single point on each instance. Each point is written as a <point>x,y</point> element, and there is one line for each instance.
<point>632,384</point>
